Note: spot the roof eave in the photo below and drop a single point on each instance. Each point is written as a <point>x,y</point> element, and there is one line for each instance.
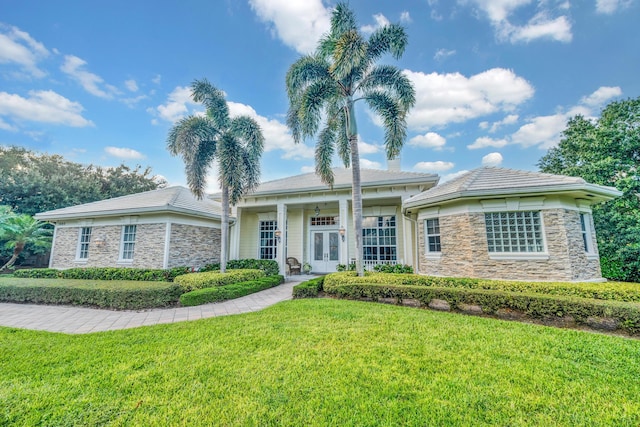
<point>130,211</point>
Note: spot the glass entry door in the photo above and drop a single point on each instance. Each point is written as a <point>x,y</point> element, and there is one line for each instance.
<point>324,251</point>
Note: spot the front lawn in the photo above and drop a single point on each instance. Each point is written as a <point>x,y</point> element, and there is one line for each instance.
<point>322,362</point>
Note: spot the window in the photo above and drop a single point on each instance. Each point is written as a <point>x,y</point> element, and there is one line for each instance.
<point>432,235</point>
<point>128,242</point>
<point>379,238</point>
<point>586,232</point>
<point>83,243</point>
<point>514,232</point>
<point>268,244</point>
<point>323,220</point>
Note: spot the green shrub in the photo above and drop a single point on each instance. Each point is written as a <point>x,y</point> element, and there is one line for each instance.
<point>619,291</point>
<point>626,315</point>
<point>396,269</point>
<point>119,295</point>
<point>269,266</point>
<point>226,292</point>
<point>309,289</point>
<point>105,273</point>
<point>209,279</point>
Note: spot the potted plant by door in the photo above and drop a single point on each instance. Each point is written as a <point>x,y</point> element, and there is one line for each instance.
<point>306,268</point>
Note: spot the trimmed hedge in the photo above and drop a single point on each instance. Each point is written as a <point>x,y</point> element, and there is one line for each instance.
<point>395,269</point>
<point>210,279</point>
<point>268,266</point>
<point>104,273</point>
<point>235,290</point>
<point>618,291</point>
<point>112,295</point>
<point>626,315</point>
<point>309,289</point>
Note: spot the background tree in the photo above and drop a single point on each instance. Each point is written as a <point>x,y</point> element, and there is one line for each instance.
<point>607,152</point>
<point>20,230</point>
<point>32,182</point>
<point>236,143</point>
<point>324,87</point>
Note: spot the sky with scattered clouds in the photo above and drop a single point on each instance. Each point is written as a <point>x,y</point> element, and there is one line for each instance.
<point>496,80</point>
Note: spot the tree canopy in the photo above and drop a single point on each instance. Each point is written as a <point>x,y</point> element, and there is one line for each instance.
<point>323,88</point>
<point>606,151</point>
<point>32,182</point>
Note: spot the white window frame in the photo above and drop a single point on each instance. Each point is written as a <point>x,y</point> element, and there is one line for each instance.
<point>428,236</point>
<point>273,226</point>
<point>378,238</point>
<point>84,239</point>
<point>540,251</point>
<point>586,229</point>
<point>124,243</point>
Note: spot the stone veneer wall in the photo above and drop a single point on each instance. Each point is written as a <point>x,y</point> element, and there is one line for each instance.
<point>148,251</point>
<point>193,246</point>
<point>465,251</point>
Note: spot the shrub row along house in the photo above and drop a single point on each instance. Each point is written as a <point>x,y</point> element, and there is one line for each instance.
<point>488,223</point>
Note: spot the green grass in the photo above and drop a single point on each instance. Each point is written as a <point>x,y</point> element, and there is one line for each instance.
<point>322,362</point>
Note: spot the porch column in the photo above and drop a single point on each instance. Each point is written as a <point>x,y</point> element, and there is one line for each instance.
<point>234,253</point>
<point>343,208</point>
<point>281,255</point>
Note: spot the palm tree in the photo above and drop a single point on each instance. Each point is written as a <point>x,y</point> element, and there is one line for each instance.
<point>20,230</point>
<point>236,143</point>
<point>324,87</point>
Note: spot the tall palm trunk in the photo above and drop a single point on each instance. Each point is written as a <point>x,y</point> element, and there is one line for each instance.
<point>16,253</point>
<point>224,238</point>
<point>356,188</point>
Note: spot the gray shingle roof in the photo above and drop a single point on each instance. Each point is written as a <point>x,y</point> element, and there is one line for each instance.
<point>170,199</point>
<point>369,178</point>
<point>493,181</point>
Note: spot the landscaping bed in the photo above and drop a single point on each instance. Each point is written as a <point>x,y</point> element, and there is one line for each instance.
<point>602,306</point>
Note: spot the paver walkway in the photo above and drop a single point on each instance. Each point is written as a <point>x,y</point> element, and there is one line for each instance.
<point>81,320</point>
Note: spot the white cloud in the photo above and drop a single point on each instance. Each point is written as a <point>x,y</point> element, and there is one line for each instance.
<point>381,21</point>
<point>366,148</point>
<point>428,140</point>
<point>442,54</point>
<point>7,126</point>
<point>450,176</point>
<point>133,101</point>
<point>483,125</point>
<point>124,153</point>
<point>131,85</point>
<point>438,166</point>
<point>157,79</point>
<point>368,164</point>
<point>485,141</point>
<point>541,25</point>
<point>609,7</point>
<point>276,134</point>
<point>405,18</point>
<point>449,98</point>
<point>44,107</point>
<point>601,96</point>
<point>299,24</point>
<point>492,159</point>
<point>18,47</point>
<point>179,104</point>
<point>508,120</point>
<point>92,83</point>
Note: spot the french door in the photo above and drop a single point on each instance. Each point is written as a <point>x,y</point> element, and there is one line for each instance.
<point>325,251</point>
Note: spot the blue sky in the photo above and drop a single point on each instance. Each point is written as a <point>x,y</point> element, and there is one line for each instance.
<point>496,80</point>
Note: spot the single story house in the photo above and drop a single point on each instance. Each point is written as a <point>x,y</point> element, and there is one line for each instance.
<point>155,229</point>
<point>490,222</point>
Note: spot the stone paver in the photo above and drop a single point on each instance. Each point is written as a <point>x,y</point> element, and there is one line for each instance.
<point>82,320</point>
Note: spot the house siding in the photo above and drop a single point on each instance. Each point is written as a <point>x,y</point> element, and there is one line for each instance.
<point>465,251</point>
<point>193,246</point>
<point>149,247</point>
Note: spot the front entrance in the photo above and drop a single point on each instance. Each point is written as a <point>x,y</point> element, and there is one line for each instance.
<point>324,251</point>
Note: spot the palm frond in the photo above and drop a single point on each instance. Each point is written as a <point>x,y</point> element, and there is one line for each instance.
<point>197,166</point>
<point>214,101</point>
<point>312,101</point>
<point>389,78</point>
<point>394,121</point>
<point>248,130</point>
<point>390,38</point>
<point>305,71</point>
<point>324,155</point>
<point>343,19</point>
<point>342,139</point>
<point>350,53</point>
<point>186,135</point>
